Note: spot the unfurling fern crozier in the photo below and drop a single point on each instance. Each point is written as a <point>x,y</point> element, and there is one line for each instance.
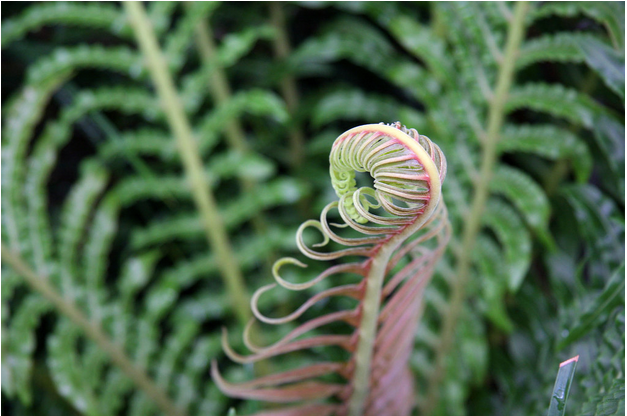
<point>404,230</point>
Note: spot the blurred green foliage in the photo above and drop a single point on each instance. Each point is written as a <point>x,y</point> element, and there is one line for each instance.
<point>95,196</point>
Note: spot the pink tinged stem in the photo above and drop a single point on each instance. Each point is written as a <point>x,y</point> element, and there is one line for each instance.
<point>356,268</point>
<point>306,410</point>
<point>399,400</point>
<point>352,291</point>
<point>407,176</point>
<point>405,295</point>
<point>412,269</point>
<point>291,376</point>
<point>309,390</point>
<point>343,341</point>
<point>351,317</point>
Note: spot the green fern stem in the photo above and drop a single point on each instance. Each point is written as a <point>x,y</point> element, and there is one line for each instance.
<point>93,331</point>
<point>369,317</point>
<point>496,115</point>
<point>344,184</point>
<point>289,91</point>
<point>220,89</point>
<point>222,94</point>
<point>214,226</point>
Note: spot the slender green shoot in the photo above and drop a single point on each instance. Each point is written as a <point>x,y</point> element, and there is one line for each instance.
<point>180,126</point>
<point>289,91</point>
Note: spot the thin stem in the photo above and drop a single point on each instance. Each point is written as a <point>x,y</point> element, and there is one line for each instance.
<point>94,332</point>
<point>288,87</point>
<point>220,89</point>
<point>372,298</point>
<point>437,23</point>
<point>367,332</point>
<point>555,176</point>
<point>179,124</point>
<point>496,115</point>
<point>221,92</point>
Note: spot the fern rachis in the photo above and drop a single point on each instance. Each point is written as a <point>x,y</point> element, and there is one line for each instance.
<point>407,169</point>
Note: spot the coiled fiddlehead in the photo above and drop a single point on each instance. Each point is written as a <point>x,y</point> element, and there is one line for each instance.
<point>404,223</point>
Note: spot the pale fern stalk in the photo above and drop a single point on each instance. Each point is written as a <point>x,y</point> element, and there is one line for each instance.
<point>221,92</point>
<point>94,332</point>
<point>220,89</point>
<point>179,124</point>
<point>368,332</point>
<point>496,115</point>
<point>372,299</point>
<point>370,312</point>
<point>289,91</point>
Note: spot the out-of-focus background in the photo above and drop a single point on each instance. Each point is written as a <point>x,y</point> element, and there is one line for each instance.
<point>95,197</point>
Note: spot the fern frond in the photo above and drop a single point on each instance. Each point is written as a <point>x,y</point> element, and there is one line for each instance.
<point>611,402</point>
<point>236,45</point>
<point>178,42</point>
<point>235,212</point>
<point>424,45</point>
<point>515,241</point>
<point>104,16</point>
<point>608,13</point>
<point>559,101</point>
<point>526,196</point>
<point>63,60</point>
<point>24,112</point>
<point>67,370</point>
<point>550,142</point>
<point>408,169</point>
<point>161,15</point>
<point>357,105</point>
<point>19,343</point>
<point>558,47</point>
<point>494,277</point>
<point>608,63</point>
<point>74,220</point>
<point>112,273</point>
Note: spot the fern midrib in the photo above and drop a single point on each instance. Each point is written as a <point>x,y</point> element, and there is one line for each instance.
<point>93,331</point>
<point>368,330</point>
<point>371,302</point>
<point>220,88</point>
<point>222,94</point>
<point>181,128</point>
<point>289,91</point>
<point>496,116</point>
